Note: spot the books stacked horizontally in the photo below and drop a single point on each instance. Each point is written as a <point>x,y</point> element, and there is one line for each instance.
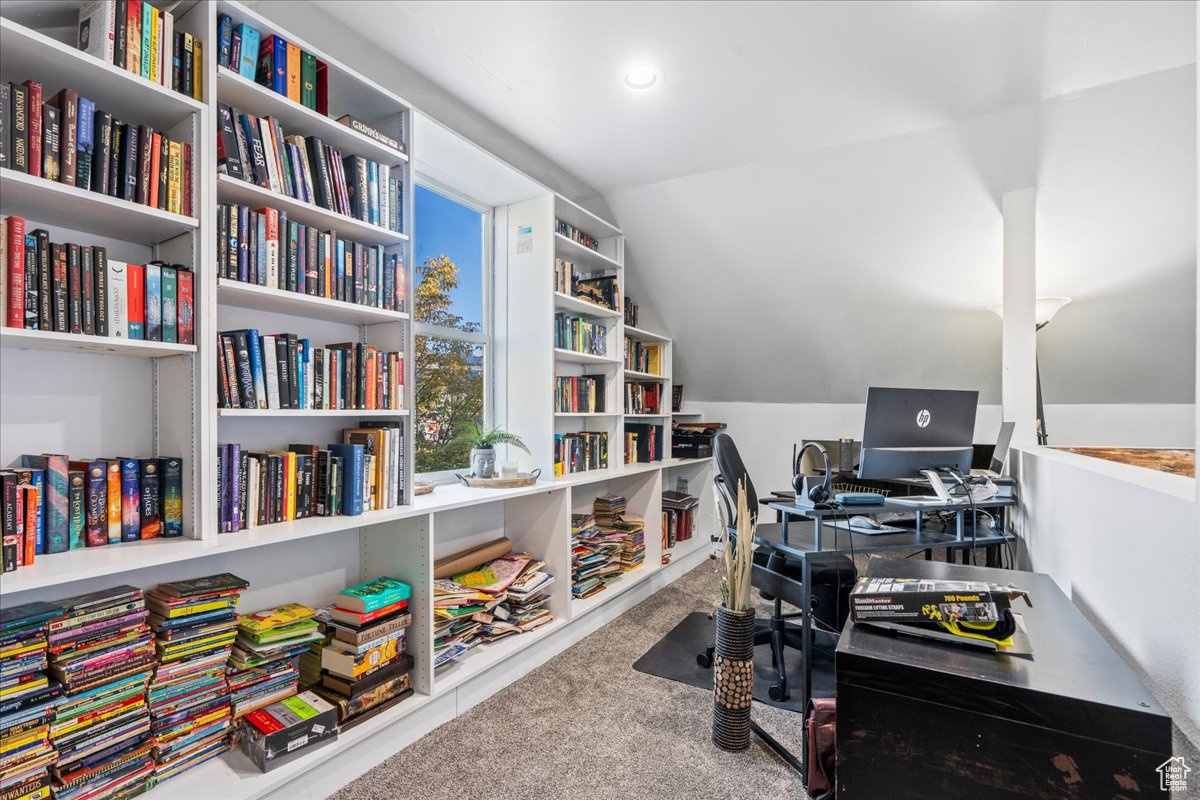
<point>631,531</point>
<point>27,700</point>
<point>624,531</point>
<point>195,624</point>
<point>283,370</point>
<point>365,472</point>
<point>589,561</point>
<point>256,150</point>
<point>455,628</point>
<point>65,138</point>
<point>72,288</point>
<point>262,667</point>
<point>516,586</point>
<point>262,246</point>
<point>364,667</point>
<point>52,504</point>
<point>679,517</point>
<point>102,652</point>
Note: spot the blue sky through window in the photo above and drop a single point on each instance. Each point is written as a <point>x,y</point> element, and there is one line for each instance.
<point>447,227</point>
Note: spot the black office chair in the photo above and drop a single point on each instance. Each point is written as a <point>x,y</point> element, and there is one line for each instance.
<point>778,578</point>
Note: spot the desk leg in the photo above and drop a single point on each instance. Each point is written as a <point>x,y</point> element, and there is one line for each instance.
<point>807,638</point>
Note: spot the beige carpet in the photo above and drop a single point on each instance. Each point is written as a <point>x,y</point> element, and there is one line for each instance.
<point>586,725</point>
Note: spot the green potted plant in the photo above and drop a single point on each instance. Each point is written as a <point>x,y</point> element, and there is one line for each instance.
<point>483,441</point>
<point>733,665</point>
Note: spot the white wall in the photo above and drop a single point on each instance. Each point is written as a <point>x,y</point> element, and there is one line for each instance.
<point>764,432</point>
<point>1124,544</point>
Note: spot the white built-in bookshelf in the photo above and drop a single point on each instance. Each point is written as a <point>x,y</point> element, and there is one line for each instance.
<point>96,396</point>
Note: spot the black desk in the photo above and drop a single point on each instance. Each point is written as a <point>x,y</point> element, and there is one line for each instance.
<point>920,719</point>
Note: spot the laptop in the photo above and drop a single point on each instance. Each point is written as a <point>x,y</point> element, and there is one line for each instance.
<point>998,455</point>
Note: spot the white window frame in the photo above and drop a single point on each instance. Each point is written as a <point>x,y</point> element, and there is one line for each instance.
<point>484,335</point>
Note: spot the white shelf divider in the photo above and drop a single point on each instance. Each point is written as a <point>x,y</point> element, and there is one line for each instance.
<point>21,339</point>
<point>260,298</point>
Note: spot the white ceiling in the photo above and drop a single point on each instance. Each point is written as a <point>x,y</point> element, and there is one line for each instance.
<point>825,175</point>
<point>743,81</point>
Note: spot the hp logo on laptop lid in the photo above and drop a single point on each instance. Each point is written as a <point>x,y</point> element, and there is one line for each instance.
<point>924,418</point>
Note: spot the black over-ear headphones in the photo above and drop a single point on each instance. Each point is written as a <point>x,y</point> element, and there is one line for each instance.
<point>820,493</point>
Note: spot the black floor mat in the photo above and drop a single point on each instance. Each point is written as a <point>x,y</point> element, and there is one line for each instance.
<point>674,658</point>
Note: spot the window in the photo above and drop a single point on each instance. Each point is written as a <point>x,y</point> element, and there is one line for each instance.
<point>453,277</point>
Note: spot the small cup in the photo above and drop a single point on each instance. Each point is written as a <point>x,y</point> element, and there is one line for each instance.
<point>508,469</point>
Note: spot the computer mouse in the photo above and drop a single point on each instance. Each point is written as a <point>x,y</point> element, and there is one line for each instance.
<point>866,523</point>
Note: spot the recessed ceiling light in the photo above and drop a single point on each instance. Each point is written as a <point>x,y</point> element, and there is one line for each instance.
<point>641,77</point>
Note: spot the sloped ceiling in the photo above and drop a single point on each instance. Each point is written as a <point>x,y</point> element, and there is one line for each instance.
<point>810,193</point>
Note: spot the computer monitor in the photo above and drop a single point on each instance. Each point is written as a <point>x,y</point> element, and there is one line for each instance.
<point>910,430</point>
<point>991,457</point>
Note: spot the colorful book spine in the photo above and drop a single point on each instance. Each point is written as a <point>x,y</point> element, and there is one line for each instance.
<point>77,503</point>
<point>150,498</point>
<point>172,496</point>
<point>131,499</point>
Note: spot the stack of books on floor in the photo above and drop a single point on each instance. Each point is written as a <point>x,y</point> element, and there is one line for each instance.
<point>195,623</point>
<point>27,700</point>
<point>364,667</point>
<point>262,666</point>
<point>678,517</point>
<point>594,559</point>
<point>102,652</point>
<point>514,587</point>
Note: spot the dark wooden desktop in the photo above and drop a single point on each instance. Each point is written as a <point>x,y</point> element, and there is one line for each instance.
<point>920,719</point>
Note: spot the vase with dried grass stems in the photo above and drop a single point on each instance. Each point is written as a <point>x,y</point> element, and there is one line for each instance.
<point>733,664</point>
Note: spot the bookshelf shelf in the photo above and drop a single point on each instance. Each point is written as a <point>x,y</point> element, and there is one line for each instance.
<point>243,93</point>
<point>260,298</point>
<point>572,357</point>
<point>310,412</point>
<point>585,257</point>
<point>22,339</point>
<point>92,562</point>
<point>614,589</point>
<point>574,305</point>
<point>232,190</point>
<point>642,335</point>
<point>644,376</point>
<point>483,657</point>
<point>584,414</point>
<point>52,203</point>
<point>646,416</point>
<point>26,53</point>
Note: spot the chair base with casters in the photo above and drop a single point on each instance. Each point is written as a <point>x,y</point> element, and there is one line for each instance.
<point>778,579</point>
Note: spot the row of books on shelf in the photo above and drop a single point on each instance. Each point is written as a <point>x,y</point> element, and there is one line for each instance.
<point>52,504</point>
<point>484,594</point>
<point>599,288</point>
<point>283,370</point>
<point>365,472</point>
<point>71,288</point>
<point>110,693</point>
<point>580,335</point>
<point>643,443</point>
<point>580,452</point>
<point>631,312</point>
<point>575,235</point>
<point>263,247</point>
<point>141,38</point>
<point>67,139</point>
<point>679,512</point>
<point>285,68</point>
<point>257,151</point>
<point>643,397</point>
<point>579,394</point>
<point>643,357</point>
<point>605,545</point>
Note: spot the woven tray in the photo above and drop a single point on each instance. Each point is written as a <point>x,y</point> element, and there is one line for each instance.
<point>423,487</point>
<point>522,479</point>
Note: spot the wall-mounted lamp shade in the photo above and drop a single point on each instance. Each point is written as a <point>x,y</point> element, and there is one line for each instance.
<point>1044,309</point>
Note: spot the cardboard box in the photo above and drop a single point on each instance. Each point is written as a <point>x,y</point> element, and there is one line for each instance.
<point>289,729</point>
<point>915,600</point>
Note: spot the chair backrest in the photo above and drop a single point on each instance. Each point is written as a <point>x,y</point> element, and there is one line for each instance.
<point>732,471</point>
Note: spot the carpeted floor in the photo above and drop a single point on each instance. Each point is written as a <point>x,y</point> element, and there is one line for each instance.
<point>585,724</point>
